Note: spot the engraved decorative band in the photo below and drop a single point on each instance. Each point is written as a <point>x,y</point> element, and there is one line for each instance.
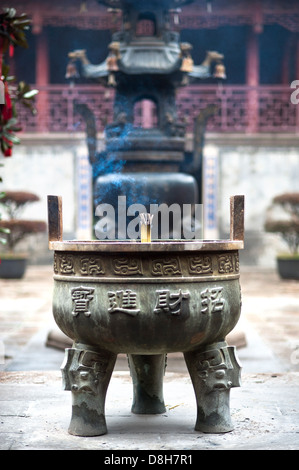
<point>168,266</point>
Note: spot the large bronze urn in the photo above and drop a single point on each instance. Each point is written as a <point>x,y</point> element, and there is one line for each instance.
<point>147,300</point>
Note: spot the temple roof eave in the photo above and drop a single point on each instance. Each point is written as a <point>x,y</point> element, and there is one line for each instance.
<point>95,71</point>
<point>150,58</point>
<point>150,67</point>
<point>102,70</point>
<point>168,4</point>
<point>200,72</point>
<point>138,60</point>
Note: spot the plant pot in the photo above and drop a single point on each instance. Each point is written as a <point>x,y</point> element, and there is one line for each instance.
<point>12,267</point>
<point>288,267</point>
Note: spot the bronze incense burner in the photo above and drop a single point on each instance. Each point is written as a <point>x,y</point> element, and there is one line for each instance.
<point>147,300</point>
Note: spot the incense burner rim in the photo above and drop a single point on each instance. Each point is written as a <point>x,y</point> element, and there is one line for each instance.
<point>117,246</point>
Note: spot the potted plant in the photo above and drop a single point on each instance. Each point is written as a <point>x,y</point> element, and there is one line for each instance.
<point>13,263</point>
<point>286,223</point>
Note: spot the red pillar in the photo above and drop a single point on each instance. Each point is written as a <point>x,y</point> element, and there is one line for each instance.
<point>42,60</point>
<point>42,73</point>
<point>285,72</point>
<point>297,60</point>
<point>252,66</point>
<point>252,80</point>
<point>147,113</point>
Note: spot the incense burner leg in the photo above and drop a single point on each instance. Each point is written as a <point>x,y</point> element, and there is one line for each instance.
<point>147,373</point>
<point>86,373</point>
<point>213,371</point>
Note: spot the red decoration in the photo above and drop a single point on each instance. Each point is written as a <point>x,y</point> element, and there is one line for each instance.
<point>11,50</point>
<point>6,115</point>
<point>7,107</point>
<point>8,152</point>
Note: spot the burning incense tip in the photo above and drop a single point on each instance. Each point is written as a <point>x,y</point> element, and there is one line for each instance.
<point>145,227</point>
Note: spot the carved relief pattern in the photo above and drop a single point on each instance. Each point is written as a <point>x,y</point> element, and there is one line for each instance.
<point>201,264</point>
<point>212,300</point>
<point>66,264</point>
<point>91,266</point>
<point>166,267</point>
<point>228,263</point>
<point>81,297</point>
<point>225,263</point>
<point>123,301</point>
<point>87,265</point>
<point>99,265</point>
<point>236,260</point>
<point>126,266</point>
<point>170,302</point>
<point>83,370</point>
<point>218,368</point>
<point>56,263</point>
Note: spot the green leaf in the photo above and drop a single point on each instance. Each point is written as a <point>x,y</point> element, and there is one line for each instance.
<point>30,94</point>
<point>6,134</point>
<point>23,86</point>
<point>22,22</point>
<point>4,145</point>
<point>10,12</point>
<point>12,122</point>
<point>19,39</point>
<point>16,129</point>
<point>4,230</point>
<point>5,70</point>
<point>14,139</point>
